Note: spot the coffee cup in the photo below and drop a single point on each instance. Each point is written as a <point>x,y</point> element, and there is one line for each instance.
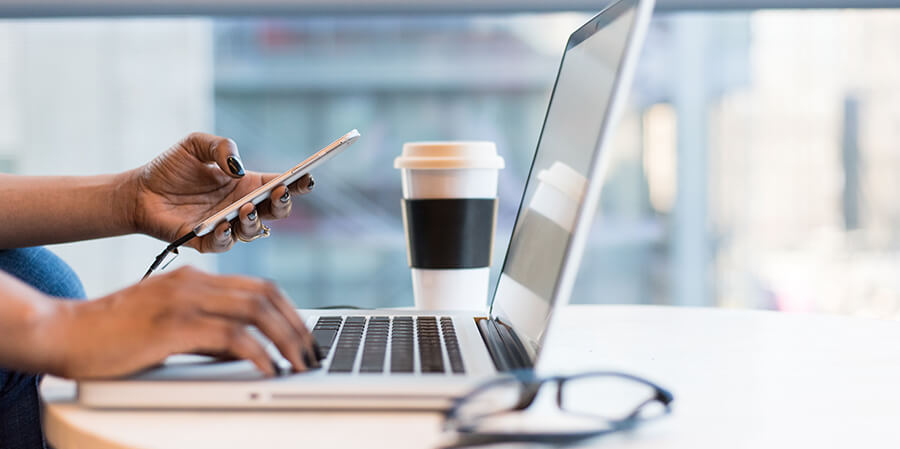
<point>449,215</point>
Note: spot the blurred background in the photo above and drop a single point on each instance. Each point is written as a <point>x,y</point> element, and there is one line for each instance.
<point>756,167</point>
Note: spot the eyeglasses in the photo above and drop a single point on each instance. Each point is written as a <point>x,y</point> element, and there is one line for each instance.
<point>593,404</point>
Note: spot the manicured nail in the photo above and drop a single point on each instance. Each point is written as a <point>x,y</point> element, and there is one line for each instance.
<point>310,360</point>
<point>234,164</point>
<point>275,368</point>
<point>252,215</point>
<point>284,198</point>
<point>312,182</point>
<point>307,360</point>
<point>226,233</point>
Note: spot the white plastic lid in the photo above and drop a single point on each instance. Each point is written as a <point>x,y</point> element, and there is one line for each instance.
<point>565,179</point>
<point>449,155</point>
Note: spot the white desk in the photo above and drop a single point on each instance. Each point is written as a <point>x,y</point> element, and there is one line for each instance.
<point>740,379</point>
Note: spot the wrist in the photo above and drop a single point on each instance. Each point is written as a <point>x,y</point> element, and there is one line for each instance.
<point>39,333</point>
<point>52,334</point>
<point>125,194</point>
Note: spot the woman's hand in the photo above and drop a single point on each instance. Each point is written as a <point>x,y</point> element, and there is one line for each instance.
<point>197,177</point>
<point>184,311</point>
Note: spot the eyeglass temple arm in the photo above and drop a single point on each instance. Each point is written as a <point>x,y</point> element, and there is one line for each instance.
<point>662,396</point>
<point>172,248</point>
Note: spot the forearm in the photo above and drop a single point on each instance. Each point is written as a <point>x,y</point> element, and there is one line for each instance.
<point>39,210</point>
<point>25,314</point>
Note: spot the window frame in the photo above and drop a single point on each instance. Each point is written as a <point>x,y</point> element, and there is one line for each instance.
<point>95,8</point>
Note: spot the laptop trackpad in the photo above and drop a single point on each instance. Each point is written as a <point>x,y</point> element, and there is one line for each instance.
<point>199,367</point>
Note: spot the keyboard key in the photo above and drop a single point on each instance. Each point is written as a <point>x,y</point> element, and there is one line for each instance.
<point>430,356</point>
<point>452,344</point>
<point>347,345</point>
<point>402,345</point>
<point>375,346</point>
<point>325,331</point>
<point>324,338</point>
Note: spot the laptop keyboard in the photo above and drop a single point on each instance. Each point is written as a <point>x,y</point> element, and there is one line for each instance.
<point>393,344</point>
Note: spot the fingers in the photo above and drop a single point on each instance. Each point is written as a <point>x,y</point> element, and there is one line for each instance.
<point>262,304</point>
<point>220,240</point>
<point>280,200</point>
<point>258,311</point>
<point>311,352</point>
<point>303,185</point>
<point>223,151</point>
<point>299,187</point>
<point>249,223</point>
<point>276,326</point>
<point>220,335</point>
<point>279,203</point>
<point>210,314</point>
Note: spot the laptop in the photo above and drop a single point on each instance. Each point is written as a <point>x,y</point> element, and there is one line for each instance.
<point>399,359</point>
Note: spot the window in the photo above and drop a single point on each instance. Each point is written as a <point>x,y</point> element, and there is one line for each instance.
<point>754,168</point>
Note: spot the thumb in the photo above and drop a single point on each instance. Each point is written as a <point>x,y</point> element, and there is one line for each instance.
<point>223,151</point>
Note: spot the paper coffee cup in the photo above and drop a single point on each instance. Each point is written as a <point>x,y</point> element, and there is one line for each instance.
<point>449,216</point>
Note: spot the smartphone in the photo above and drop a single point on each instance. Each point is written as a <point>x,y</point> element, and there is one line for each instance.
<point>262,193</point>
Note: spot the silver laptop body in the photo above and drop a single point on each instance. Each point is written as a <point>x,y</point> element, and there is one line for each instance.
<point>391,359</point>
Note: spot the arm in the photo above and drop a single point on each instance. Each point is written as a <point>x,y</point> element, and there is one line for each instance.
<point>39,210</point>
<point>182,311</point>
<point>22,311</point>
<point>164,198</point>
<point>178,312</point>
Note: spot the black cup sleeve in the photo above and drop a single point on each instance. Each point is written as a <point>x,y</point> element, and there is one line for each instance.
<point>450,233</point>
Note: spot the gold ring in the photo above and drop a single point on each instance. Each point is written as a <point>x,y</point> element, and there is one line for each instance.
<point>263,233</point>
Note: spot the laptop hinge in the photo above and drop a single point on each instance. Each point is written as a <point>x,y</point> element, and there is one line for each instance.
<point>503,345</point>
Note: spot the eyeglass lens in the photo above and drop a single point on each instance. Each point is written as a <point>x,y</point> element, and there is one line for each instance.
<point>586,403</point>
<point>499,397</point>
<point>608,397</point>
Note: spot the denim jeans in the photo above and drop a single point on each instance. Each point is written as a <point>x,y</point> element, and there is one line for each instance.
<point>20,403</point>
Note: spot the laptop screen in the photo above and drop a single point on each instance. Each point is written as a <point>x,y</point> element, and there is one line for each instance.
<point>558,181</point>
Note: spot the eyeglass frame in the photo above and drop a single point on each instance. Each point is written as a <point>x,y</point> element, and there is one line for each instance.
<point>531,386</point>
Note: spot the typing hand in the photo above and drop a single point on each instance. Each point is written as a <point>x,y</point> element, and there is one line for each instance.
<point>184,311</point>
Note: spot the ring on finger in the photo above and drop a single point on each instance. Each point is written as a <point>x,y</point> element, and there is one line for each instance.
<point>263,233</point>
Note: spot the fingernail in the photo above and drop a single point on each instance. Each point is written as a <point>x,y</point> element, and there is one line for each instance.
<point>284,198</point>
<point>306,358</point>
<point>226,233</point>
<point>309,360</point>
<point>252,215</point>
<point>275,368</point>
<point>234,164</point>
<point>312,182</point>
